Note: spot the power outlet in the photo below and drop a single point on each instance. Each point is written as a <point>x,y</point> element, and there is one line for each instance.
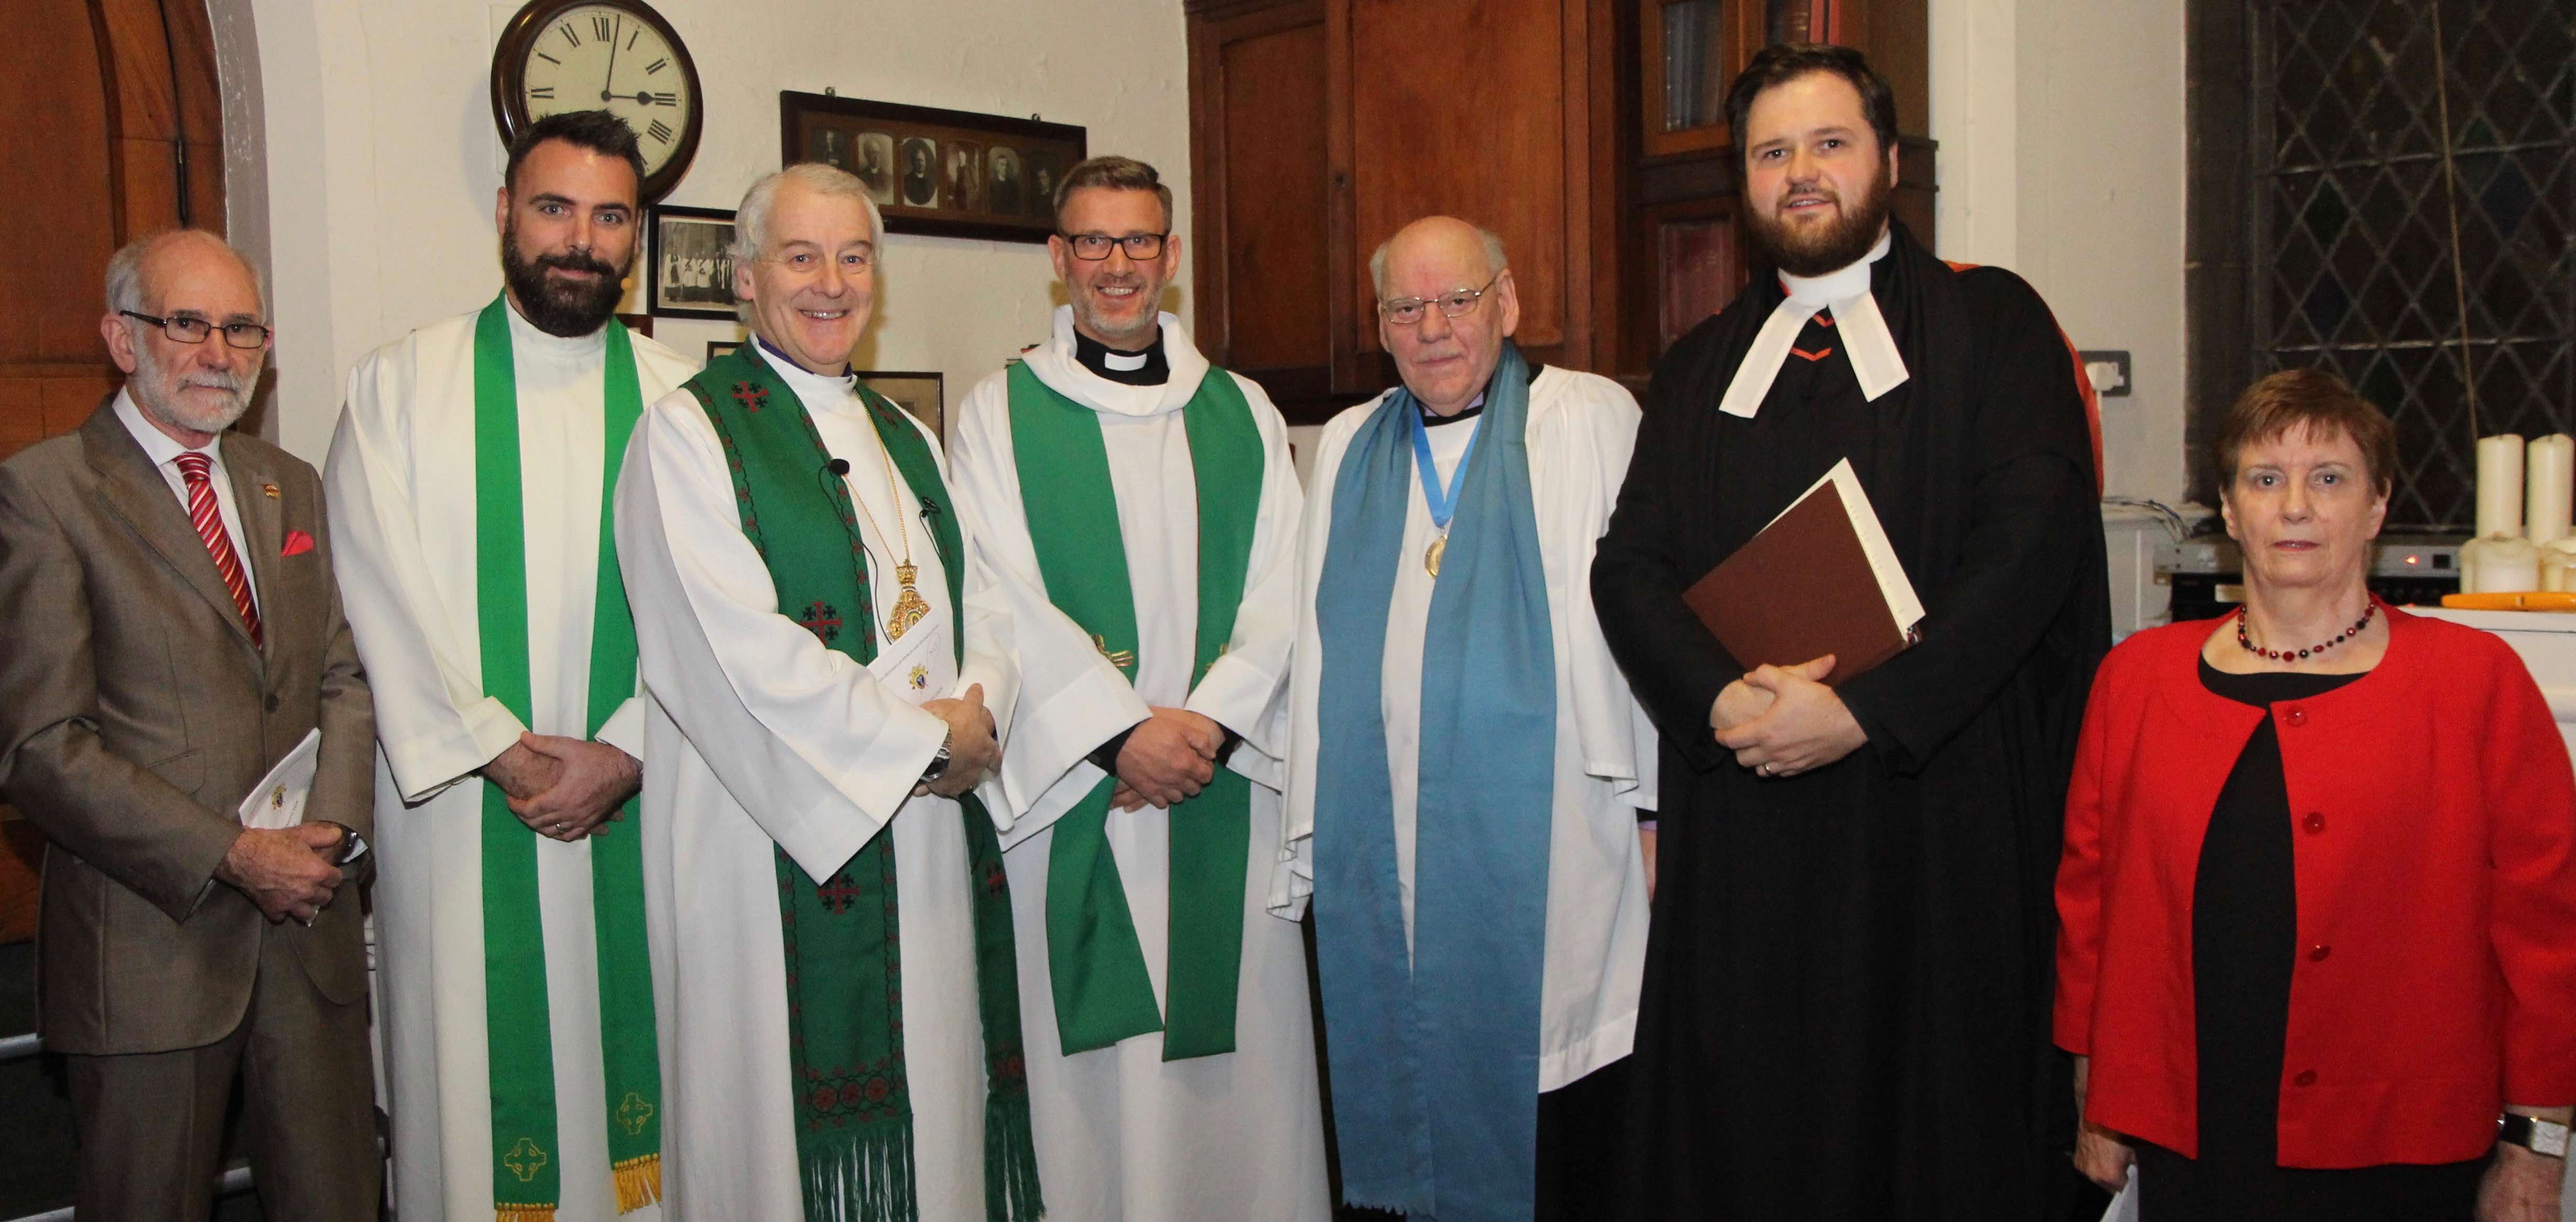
<point>2109,371</point>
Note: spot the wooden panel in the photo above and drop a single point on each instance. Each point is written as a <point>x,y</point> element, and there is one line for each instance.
<point>1275,194</point>
<point>54,184</point>
<point>1460,107</point>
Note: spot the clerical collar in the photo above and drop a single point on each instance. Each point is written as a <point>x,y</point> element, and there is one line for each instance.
<point>1475,407</point>
<point>533,338</point>
<point>1148,367</point>
<point>1875,361</point>
<point>786,363</point>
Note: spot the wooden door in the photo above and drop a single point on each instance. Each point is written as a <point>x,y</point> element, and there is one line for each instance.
<point>1489,110</point>
<point>1261,193</point>
<point>116,130</point>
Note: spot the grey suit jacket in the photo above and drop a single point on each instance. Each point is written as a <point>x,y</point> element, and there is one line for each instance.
<point>135,714</point>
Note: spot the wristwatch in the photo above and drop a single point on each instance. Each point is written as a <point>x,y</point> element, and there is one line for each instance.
<point>939,763</point>
<point>352,845</point>
<point>2547,1138</point>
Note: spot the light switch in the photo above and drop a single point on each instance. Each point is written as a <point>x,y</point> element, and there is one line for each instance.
<point>2109,371</point>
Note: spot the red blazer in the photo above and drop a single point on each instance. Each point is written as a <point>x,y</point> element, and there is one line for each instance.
<point>2436,867</point>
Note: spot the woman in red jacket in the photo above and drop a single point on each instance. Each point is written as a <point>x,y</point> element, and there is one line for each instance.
<point>2318,898</point>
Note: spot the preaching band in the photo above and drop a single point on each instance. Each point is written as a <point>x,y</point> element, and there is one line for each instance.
<point>780,811</point>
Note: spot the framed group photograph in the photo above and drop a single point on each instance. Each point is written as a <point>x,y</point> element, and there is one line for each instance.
<point>691,263</point>
<point>950,173</point>
<point>917,393</point>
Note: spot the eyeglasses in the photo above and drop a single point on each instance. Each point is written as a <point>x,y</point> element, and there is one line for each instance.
<point>1093,247</point>
<point>247,336</point>
<point>1406,311</point>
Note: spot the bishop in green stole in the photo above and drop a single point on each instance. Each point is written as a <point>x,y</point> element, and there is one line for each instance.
<point>1102,991</point>
<point>841,934</point>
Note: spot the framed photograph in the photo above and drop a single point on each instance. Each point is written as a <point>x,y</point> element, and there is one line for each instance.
<point>918,393</point>
<point>691,264</point>
<point>950,173</point>
<point>719,347</point>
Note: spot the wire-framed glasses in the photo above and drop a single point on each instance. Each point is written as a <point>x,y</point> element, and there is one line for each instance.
<point>1406,311</point>
<point>186,329</point>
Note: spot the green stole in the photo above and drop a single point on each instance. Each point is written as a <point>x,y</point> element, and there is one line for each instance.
<point>1102,992</point>
<point>844,946</point>
<point>526,1172</point>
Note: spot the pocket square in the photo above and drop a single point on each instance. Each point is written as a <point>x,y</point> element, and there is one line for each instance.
<point>297,543</point>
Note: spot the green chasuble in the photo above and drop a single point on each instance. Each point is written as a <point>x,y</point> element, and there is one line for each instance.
<point>843,940</point>
<point>1102,992</point>
<point>525,1177</point>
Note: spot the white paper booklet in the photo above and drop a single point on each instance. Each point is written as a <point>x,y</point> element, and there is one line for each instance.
<point>2124,1207</point>
<point>277,802</point>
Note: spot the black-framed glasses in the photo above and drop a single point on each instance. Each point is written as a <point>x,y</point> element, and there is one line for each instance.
<point>247,336</point>
<point>1406,311</point>
<point>1093,247</point>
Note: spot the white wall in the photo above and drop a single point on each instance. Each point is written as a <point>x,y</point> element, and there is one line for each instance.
<point>2062,144</point>
<point>374,173</point>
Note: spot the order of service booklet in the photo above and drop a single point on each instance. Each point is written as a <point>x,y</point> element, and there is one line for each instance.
<point>1820,578</point>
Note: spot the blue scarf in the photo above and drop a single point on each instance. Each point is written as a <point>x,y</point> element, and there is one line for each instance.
<point>1435,1065</point>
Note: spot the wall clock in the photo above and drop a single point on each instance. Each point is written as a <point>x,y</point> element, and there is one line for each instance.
<point>614,55</point>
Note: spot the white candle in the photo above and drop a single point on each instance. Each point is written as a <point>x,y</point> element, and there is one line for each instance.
<point>2500,487</point>
<point>2549,473</point>
<point>2499,566</point>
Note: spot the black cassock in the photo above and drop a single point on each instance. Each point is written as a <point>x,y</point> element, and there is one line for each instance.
<point>1847,983</point>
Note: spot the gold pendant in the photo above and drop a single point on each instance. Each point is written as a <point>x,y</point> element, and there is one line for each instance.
<point>1431,555</point>
<point>909,608</point>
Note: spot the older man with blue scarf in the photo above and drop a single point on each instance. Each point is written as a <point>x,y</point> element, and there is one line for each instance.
<point>1467,766</point>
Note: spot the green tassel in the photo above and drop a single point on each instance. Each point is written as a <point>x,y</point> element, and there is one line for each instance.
<point>1010,1159</point>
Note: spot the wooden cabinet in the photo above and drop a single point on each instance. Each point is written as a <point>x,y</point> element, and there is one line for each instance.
<point>1589,134</point>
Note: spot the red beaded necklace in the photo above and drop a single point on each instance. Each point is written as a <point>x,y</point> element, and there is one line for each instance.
<point>2286,655</point>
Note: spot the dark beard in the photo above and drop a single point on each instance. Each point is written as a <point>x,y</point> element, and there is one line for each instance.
<point>1839,245</point>
<point>568,310</point>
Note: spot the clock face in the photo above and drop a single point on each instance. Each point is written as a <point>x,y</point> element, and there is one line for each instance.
<point>604,57</point>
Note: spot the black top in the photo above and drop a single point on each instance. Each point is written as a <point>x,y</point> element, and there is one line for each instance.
<point>2245,930</point>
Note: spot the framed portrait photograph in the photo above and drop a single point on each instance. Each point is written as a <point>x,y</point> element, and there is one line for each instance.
<point>690,268</point>
<point>917,393</point>
<point>951,173</point>
<point>719,347</point>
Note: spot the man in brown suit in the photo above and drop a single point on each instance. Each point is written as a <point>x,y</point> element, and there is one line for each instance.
<point>176,632</point>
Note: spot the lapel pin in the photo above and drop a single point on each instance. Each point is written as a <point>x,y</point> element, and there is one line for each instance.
<point>269,491</point>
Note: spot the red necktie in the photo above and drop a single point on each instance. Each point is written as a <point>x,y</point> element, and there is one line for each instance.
<point>209,521</point>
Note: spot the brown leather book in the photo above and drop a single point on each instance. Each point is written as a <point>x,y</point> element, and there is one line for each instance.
<point>1820,579</point>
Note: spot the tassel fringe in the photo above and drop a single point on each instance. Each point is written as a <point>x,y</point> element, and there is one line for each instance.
<point>639,1182</point>
<point>524,1213</point>
<point>864,1178</point>
<point>1010,1160</point>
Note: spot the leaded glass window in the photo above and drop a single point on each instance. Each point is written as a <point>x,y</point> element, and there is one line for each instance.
<point>2353,214</point>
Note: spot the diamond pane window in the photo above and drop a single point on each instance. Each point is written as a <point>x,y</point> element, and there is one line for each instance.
<point>2355,221</point>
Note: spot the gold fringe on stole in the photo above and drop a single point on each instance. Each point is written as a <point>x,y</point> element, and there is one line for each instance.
<point>524,1213</point>
<point>639,1183</point>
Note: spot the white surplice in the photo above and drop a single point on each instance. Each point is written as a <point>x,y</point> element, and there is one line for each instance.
<point>1580,431</point>
<point>1122,1133</point>
<point>758,737</point>
<point>401,486</point>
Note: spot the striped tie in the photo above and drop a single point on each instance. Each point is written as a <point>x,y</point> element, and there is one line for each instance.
<point>209,521</point>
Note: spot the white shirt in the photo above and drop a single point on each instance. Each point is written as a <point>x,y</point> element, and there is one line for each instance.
<point>164,451</point>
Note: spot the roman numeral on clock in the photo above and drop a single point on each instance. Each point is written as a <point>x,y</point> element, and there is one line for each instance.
<point>541,93</point>
<point>656,66</point>
<point>601,29</point>
<point>661,99</point>
<point>569,35</point>
<point>660,131</point>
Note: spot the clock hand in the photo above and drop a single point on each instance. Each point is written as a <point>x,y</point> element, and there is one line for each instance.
<point>611,78</point>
